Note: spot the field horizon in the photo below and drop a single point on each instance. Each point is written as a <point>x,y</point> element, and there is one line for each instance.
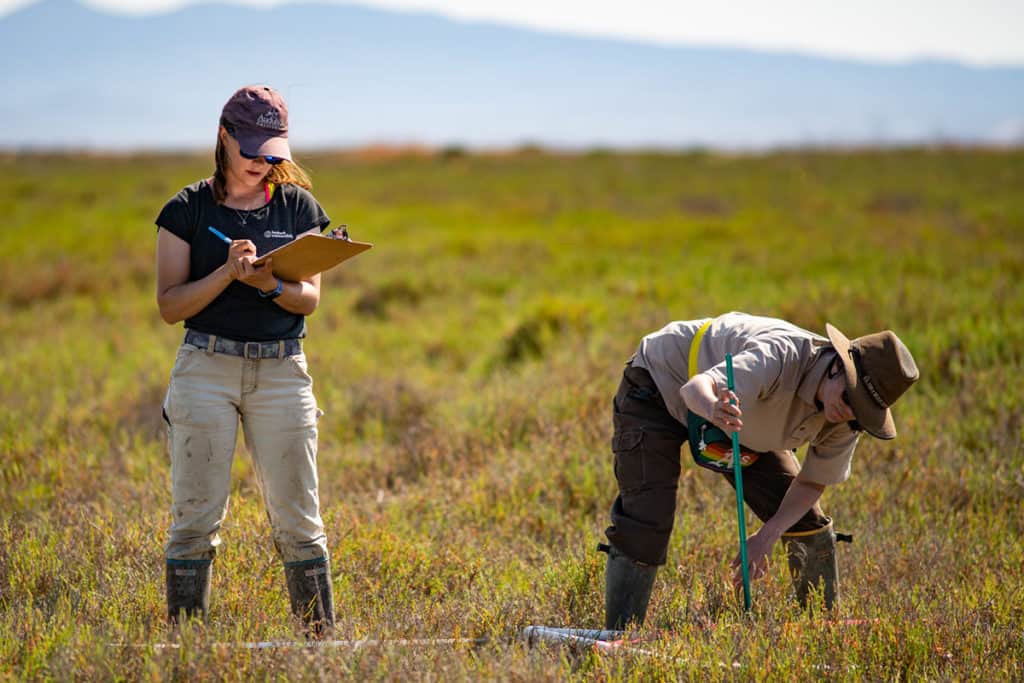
<point>466,367</point>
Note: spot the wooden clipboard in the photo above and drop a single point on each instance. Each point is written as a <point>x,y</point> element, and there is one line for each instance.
<point>309,255</point>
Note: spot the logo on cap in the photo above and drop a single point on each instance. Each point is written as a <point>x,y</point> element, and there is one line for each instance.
<point>270,119</point>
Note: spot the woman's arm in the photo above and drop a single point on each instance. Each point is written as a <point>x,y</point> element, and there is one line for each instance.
<point>178,298</point>
<point>300,297</point>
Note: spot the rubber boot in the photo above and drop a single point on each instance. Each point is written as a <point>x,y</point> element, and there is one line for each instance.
<point>309,586</point>
<point>812,563</point>
<point>627,590</point>
<point>188,588</point>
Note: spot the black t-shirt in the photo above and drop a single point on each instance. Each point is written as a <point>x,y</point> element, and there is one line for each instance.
<point>239,312</point>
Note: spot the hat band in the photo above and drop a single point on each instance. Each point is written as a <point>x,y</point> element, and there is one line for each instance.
<point>865,379</point>
<point>874,392</point>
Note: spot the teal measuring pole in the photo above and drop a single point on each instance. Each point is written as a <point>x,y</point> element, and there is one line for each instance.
<point>737,470</point>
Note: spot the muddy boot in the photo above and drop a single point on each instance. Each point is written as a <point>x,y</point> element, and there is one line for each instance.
<point>812,563</point>
<point>627,590</point>
<point>188,588</point>
<point>309,585</point>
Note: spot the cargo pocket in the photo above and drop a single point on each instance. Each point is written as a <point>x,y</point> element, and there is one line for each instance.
<point>629,460</point>
<point>661,459</point>
<point>185,360</point>
<point>298,366</point>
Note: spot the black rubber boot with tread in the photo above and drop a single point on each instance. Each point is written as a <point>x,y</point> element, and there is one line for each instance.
<point>312,599</point>
<point>188,588</point>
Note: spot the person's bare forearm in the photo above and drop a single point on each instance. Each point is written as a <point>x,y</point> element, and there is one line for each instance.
<point>185,300</point>
<point>717,405</point>
<point>699,395</point>
<point>300,297</point>
<point>800,497</point>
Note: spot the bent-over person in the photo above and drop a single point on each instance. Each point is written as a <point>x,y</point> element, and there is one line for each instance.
<point>792,387</point>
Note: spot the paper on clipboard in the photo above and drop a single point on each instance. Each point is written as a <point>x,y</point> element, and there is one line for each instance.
<point>309,255</point>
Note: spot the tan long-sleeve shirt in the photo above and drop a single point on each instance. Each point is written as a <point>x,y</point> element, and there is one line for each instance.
<point>777,367</point>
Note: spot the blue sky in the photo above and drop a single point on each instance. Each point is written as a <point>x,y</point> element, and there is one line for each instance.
<point>974,31</point>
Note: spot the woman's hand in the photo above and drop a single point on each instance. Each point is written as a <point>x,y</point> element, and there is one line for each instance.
<point>240,254</point>
<point>261,277</point>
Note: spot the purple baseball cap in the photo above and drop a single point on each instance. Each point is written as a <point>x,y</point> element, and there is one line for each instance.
<point>258,118</point>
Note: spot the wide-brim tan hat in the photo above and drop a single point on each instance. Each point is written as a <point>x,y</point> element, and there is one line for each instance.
<point>879,368</point>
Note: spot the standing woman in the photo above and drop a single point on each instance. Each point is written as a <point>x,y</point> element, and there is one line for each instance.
<point>242,358</point>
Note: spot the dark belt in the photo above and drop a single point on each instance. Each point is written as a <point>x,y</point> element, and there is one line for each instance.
<point>253,350</point>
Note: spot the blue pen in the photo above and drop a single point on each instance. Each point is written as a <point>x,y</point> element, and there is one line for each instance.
<point>218,233</point>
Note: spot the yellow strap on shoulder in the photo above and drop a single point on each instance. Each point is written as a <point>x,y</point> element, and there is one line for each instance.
<point>695,349</point>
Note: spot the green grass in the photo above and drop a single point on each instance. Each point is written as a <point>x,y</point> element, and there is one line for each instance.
<point>466,367</point>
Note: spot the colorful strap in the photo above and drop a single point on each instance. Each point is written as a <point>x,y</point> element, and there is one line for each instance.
<point>717,454</point>
<point>268,191</point>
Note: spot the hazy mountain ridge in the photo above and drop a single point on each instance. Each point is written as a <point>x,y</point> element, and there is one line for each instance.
<point>354,75</point>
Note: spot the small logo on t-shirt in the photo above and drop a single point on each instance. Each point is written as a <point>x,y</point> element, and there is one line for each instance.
<point>276,233</point>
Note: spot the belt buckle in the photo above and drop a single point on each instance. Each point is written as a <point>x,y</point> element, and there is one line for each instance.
<point>251,355</point>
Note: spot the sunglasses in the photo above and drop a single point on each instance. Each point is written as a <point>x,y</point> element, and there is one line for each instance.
<point>272,160</point>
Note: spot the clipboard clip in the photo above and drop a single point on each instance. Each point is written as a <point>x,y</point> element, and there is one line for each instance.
<point>341,233</point>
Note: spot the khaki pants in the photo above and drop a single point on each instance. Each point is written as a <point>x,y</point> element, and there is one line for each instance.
<point>208,394</point>
<point>647,443</point>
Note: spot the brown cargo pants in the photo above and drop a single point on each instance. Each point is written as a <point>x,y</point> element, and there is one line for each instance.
<point>647,443</point>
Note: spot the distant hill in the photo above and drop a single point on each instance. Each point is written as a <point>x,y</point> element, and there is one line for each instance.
<point>81,78</point>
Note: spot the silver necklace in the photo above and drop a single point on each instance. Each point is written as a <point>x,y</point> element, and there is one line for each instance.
<point>243,218</point>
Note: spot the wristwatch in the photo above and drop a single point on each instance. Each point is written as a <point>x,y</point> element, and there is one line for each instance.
<point>274,293</point>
